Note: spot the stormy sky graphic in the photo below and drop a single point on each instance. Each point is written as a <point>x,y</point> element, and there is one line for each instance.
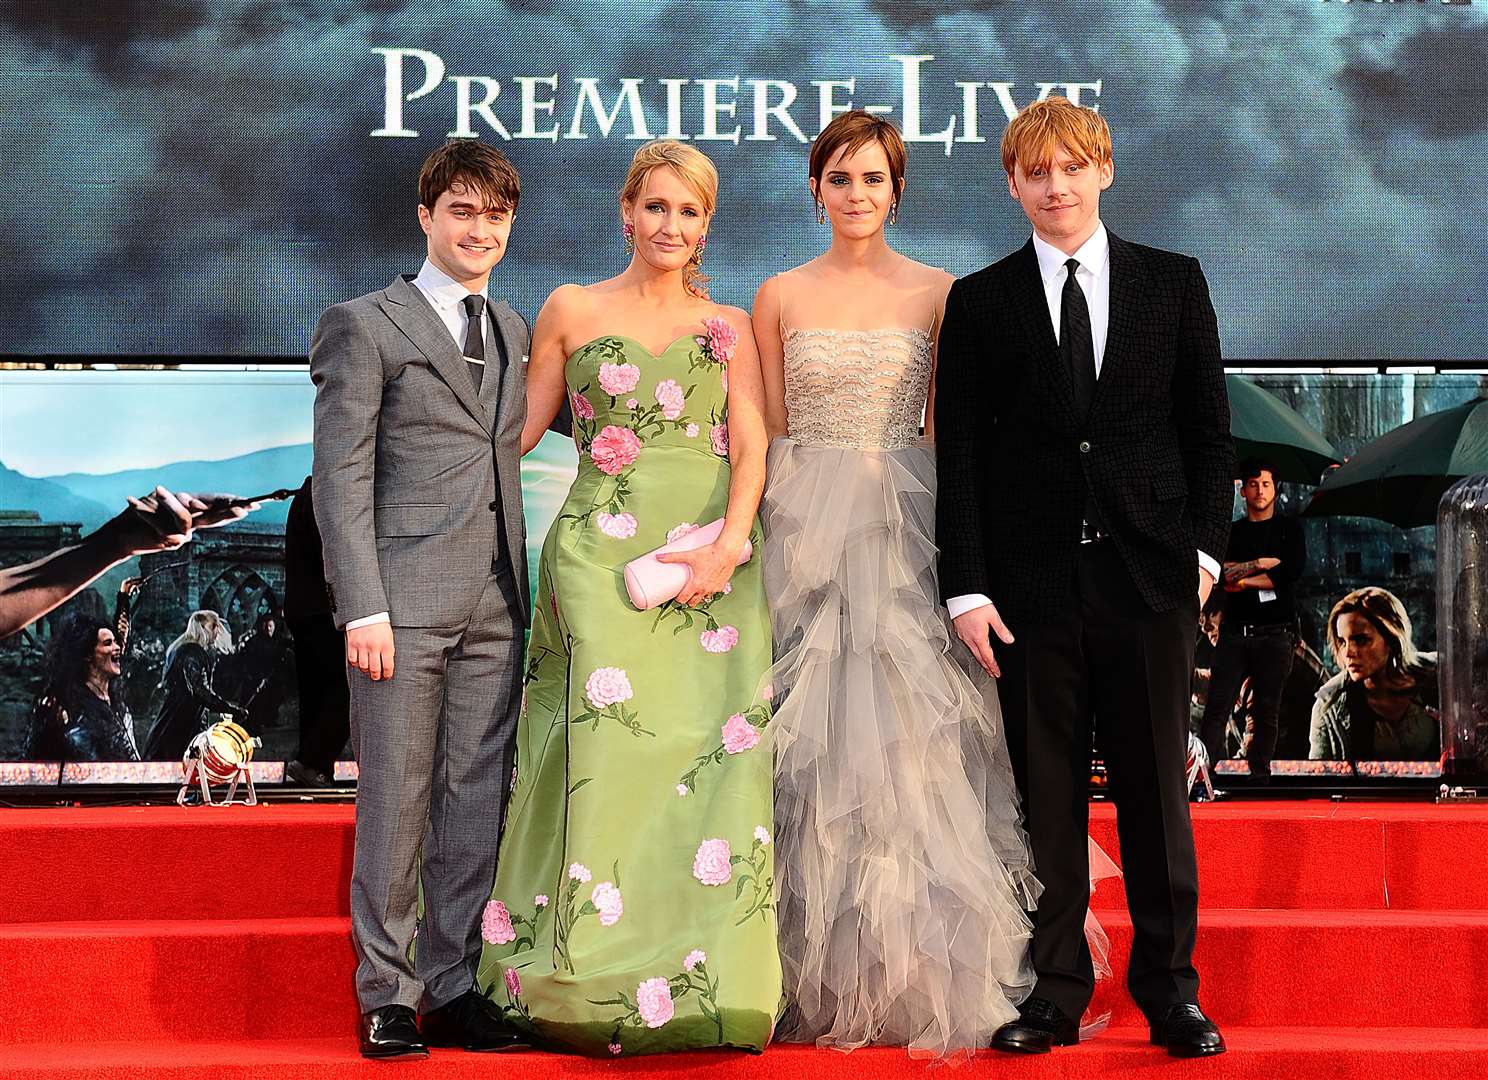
<point>193,178</point>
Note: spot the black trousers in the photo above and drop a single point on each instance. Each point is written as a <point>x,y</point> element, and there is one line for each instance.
<point>325,699</point>
<point>1110,665</point>
<point>1265,657</point>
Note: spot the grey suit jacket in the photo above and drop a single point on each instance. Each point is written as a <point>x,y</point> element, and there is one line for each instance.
<point>408,456</point>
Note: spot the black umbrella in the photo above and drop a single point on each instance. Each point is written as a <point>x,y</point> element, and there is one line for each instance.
<point>1400,477</point>
<point>1263,426</point>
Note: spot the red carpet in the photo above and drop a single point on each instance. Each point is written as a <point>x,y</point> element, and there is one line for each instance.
<point>1335,941</point>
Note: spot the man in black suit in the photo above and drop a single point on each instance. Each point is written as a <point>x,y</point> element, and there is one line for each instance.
<point>1085,473</point>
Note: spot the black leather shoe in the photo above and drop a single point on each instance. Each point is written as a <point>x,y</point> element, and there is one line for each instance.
<point>392,1031</point>
<point>1041,1026</point>
<point>470,1022</point>
<point>1186,1033</point>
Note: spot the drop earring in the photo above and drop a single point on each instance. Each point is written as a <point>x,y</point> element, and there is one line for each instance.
<point>697,252</point>
<point>627,230</point>
<point>821,213</point>
<point>893,211</point>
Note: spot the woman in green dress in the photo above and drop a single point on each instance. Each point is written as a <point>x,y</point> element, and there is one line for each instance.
<point>633,910</point>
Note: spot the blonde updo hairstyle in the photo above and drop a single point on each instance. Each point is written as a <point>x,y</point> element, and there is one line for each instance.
<point>696,171</point>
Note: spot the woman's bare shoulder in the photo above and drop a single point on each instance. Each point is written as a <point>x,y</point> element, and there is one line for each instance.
<point>927,276</point>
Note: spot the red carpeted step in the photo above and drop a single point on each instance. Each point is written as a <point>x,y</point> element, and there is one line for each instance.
<point>1275,1054</point>
<point>1438,862</point>
<point>135,936</point>
<point>284,861</point>
<point>192,980</point>
<point>1296,968</point>
<point>182,979</point>
<point>1329,855</point>
<point>173,862</point>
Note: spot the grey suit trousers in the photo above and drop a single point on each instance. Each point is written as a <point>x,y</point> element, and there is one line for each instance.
<point>434,746</point>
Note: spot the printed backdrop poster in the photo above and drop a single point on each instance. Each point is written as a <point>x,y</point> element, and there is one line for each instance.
<point>205,177</point>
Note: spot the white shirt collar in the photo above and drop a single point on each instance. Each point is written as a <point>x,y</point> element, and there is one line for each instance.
<point>443,291</point>
<point>1092,254</point>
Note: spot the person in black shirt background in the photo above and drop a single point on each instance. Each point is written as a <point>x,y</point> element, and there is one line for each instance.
<point>1257,637</point>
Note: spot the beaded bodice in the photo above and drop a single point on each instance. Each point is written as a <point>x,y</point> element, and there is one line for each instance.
<point>858,389</point>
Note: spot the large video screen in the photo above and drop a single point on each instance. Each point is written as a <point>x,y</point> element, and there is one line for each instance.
<point>204,177</point>
<point>75,445</point>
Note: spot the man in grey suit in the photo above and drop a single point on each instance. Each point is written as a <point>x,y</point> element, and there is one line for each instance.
<point>419,404</point>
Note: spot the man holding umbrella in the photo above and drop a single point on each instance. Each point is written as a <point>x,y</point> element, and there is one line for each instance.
<point>1257,639</point>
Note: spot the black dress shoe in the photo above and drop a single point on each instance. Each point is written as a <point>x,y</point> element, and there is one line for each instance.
<point>1041,1026</point>
<point>1186,1032</point>
<point>392,1031</point>
<point>470,1022</point>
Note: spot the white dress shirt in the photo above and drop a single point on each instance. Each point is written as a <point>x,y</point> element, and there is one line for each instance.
<point>1094,278</point>
<point>446,296</point>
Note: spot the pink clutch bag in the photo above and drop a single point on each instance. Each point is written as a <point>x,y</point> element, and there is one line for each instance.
<point>650,581</point>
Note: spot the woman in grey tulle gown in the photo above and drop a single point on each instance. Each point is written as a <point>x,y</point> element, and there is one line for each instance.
<point>903,872</point>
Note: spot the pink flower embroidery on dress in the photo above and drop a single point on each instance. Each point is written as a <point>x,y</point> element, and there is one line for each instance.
<point>617,379</point>
<point>762,835</point>
<point>739,734</point>
<point>617,526</point>
<point>670,397</point>
<point>616,448</point>
<point>694,958</point>
<point>607,899</point>
<point>632,403</point>
<point>540,900</point>
<point>721,339</point>
<point>718,435</point>
<point>677,532</point>
<point>513,983</point>
<point>581,406</point>
<point>579,872</point>
<point>721,640</point>
<point>607,686</point>
<point>692,431</point>
<point>616,1048</point>
<point>654,1002</point>
<point>712,864</point>
<point>682,791</point>
<point>496,924</point>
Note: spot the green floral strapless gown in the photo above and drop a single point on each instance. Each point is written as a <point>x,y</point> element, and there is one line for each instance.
<point>633,910</point>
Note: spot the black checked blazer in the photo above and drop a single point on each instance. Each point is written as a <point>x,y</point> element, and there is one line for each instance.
<point>1015,465</point>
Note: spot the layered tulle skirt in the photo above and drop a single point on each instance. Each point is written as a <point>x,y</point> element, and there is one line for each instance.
<point>903,872</point>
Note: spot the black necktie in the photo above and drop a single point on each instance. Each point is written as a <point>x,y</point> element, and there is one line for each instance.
<point>1076,342</point>
<point>475,338</point>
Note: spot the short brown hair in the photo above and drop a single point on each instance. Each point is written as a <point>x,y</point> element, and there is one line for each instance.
<point>477,165</point>
<point>1055,121</point>
<point>850,132</point>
